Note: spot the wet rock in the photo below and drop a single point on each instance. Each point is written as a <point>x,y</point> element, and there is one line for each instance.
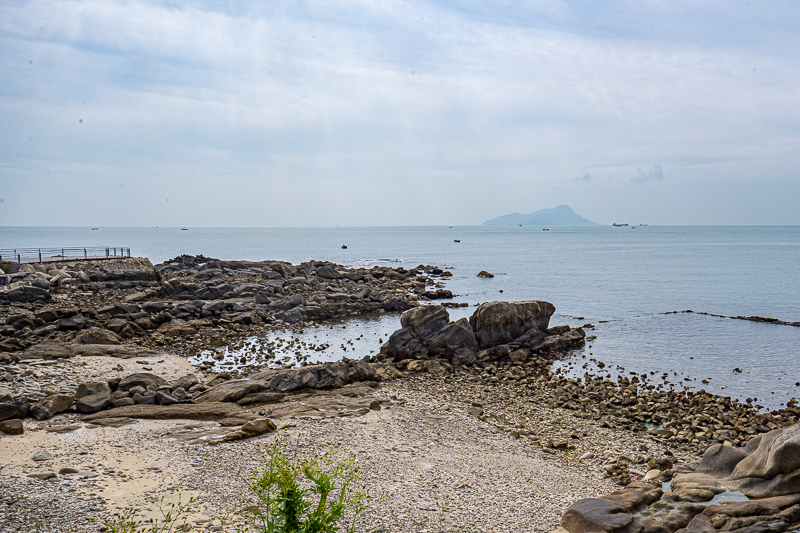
<point>51,405</point>
<point>485,274</point>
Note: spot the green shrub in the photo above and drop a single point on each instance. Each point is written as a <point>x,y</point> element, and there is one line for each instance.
<point>320,493</point>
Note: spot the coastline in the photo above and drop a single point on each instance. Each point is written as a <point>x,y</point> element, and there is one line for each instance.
<point>544,430</point>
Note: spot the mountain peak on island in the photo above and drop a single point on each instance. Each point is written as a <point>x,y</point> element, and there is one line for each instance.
<point>563,215</point>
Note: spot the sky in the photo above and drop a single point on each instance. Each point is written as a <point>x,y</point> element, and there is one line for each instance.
<point>379,113</point>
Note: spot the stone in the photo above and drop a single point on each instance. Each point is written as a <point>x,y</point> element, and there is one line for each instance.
<point>162,398</point>
<point>14,410</point>
<point>251,429</point>
<point>261,397</point>
<point>67,470</point>
<point>51,405</point>
<point>97,335</point>
<point>595,515</point>
<point>768,466</point>
<point>12,427</point>
<point>142,379</point>
<point>189,411</point>
<point>230,422</point>
<point>122,402</point>
<point>93,403</point>
<point>92,387</point>
<point>74,323</point>
<point>328,272</point>
<point>455,336</point>
<point>485,274</point>
<point>43,476</point>
<point>231,391</point>
<point>186,382</point>
<point>426,321</point>
<point>43,455</point>
<point>497,323</point>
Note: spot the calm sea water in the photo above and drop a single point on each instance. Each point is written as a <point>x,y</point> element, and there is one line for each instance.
<point>625,277</point>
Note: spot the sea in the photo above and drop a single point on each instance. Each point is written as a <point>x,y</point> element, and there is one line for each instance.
<point>633,284</point>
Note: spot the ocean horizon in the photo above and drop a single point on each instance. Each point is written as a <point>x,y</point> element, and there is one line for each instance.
<point>628,282</point>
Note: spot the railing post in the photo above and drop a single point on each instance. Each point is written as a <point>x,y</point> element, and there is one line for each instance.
<point>84,253</point>
<point>40,255</point>
<point>19,258</point>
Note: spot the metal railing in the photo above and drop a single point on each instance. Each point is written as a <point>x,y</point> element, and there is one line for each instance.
<point>52,255</point>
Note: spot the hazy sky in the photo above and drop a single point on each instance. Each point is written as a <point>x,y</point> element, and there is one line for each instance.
<point>304,113</point>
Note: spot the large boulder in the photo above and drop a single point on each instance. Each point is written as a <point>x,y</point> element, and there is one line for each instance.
<point>420,325</point>
<point>455,337</point>
<point>426,321</point>
<point>502,322</point>
<point>768,466</point>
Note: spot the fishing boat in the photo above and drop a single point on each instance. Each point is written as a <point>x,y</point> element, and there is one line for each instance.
<point>344,247</point>
<point>94,229</point>
<point>618,225</point>
<point>456,240</point>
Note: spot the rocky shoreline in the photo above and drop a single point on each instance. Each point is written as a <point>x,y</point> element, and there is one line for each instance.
<point>103,344</point>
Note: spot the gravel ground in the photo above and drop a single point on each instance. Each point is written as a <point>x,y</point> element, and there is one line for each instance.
<point>426,446</point>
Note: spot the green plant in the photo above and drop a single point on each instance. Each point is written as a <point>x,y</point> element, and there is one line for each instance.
<point>443,508</point>
<point>173,518</point>
<point>318,493</point>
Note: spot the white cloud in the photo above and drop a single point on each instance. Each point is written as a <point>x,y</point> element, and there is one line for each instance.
<point>324,95</point>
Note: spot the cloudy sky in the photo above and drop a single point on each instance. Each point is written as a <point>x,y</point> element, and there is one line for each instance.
<point>317,113</point>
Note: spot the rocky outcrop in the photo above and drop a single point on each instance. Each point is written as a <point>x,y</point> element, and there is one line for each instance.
<point>502,322</point>
<point>767,468</point>
<point>494,331</point>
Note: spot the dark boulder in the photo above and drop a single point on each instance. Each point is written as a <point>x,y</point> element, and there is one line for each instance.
<point>10,410</point>
<point>502,322</point>
<point>92,387</point>
<point>142,379</point>
<point>93,402</point>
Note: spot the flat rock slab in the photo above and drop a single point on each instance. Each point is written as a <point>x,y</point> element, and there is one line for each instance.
<point>350,400</point>
<point>50,351</point>
<point>203,411</point>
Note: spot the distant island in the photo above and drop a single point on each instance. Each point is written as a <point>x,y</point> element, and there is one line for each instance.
<point>562,215</point>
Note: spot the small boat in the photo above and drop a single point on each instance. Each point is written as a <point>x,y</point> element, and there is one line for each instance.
<point>456,240</point>
<point>94,229</point>
<point>643,224</point>
<point>545,229</point>
<point>618,225</point>
<point>184,229</point>
<point>344,247</point>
